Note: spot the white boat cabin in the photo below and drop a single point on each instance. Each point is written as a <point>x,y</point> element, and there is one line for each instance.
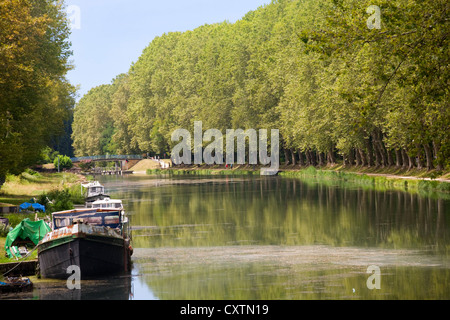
<point>94,189</point>
<point>108,204</point>
<point>111,204</point>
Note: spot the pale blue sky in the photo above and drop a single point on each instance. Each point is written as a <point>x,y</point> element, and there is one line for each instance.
<point>113,33</point>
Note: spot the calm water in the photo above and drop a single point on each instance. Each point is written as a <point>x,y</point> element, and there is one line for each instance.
<point>274,238</point>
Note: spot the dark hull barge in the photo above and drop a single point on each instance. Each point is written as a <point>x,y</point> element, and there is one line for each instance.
<point>95,240</point>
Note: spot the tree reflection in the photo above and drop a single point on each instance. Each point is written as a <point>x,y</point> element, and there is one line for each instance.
<point>283,211</point>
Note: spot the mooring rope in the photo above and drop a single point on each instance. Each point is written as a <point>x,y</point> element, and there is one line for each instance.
<point>23,259</point>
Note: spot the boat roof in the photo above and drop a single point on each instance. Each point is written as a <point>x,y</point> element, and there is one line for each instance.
<point>65,218</point>
<point>107,200</point>
<point>76,212</point>
<point>91,184</point>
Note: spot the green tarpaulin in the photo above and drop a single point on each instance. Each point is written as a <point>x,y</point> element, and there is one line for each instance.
<point>27,229</point>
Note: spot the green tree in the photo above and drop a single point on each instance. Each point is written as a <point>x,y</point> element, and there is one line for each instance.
<point>405,67</point>
<point>335,88</point>
<point>35,97</point>
<point>63,162</point>
<point>93,126</point>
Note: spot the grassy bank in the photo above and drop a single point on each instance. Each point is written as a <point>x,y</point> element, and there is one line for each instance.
<point>202,172</point>
<point>376,180</point>
<point>4,259</point>
<point>29,184</point>
<point>386,178</point>
<point>63,188</point>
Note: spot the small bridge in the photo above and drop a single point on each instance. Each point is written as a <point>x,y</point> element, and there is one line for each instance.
<point>120,163</point>
<point>107,157</point>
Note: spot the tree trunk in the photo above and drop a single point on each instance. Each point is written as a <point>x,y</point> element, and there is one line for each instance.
<point>358,158</point>
<point>320,156</point>
<point>384,154</point>
<point>300,158</point>
<point>377,153</point>
<point>331,157</point>
<point>294,162</point>
<point>345,160</point>
<point>376,148</point>
<point>419,157</point>
<point>351,157</point>
<point>308,158</point>
<point>404,159</point>
<point>312,155</point>
<point>429,157</point>
<point>286,156</point>
<point>363,157</point>
<point>436,148</point>
<point>410,161</point>
<point>398,158</point>
<point>389,158</point>
<point>369,153</point>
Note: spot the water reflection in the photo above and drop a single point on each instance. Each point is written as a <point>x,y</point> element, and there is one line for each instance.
<point>112,288</point>
<point>289,273</point>
<point>279,211</point>
<point>279,238</point>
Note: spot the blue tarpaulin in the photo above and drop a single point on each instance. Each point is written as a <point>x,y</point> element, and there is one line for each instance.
<point>35,206</point>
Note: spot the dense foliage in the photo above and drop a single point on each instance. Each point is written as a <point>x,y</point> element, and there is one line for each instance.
<point>36,100</point>
<point>62,162</point>
<point>335,88</point>
<point>56,200</point>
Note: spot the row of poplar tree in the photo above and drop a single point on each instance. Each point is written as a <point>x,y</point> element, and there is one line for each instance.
<point>341,82</point>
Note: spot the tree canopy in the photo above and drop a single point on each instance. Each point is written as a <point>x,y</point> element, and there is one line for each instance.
<point>335,86</point>
<point>35,97</point>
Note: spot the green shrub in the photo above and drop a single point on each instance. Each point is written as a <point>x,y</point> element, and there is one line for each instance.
<point>31,172</point>
<point>30,176</point>
<point>11,178</point>
<point>56,200</point>
<point>48,155</point>
<point>76,195</point>
<point>64,162</point>
<point>444,187</point>
<point>4,230</point>
<point>16,218</point>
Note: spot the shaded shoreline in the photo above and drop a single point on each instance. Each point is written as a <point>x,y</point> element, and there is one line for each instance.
<point>377,179</point>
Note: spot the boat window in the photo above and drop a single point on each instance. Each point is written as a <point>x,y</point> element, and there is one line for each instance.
<point>93,220</point>
<point>62,222</point>
<point>112,220</point>
<point>109,218</point>
<point>118,205</point>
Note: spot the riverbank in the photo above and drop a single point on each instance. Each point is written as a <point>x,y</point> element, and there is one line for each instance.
<point>393,178</point>
<point>31,184</point>
<point>378,180</point>
<point>14,269</point>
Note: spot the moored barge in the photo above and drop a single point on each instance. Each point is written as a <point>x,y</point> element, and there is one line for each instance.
<point>96,240</point>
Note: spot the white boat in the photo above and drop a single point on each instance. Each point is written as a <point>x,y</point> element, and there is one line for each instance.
<point>95,191</point>
<point>108,203</point>
<point>111,204</point>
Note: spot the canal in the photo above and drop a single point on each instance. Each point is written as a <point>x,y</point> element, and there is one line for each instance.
<point>274,238</point>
